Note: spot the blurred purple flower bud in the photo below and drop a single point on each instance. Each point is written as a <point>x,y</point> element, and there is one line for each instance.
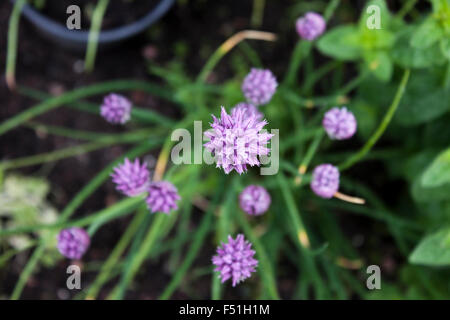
<point>325,180</point>
<point>259,86</point>
<point>254,200</point>
<point>310,26</point>
<point>73,242</point>
<point>116,109</point>
<point>340,124</point>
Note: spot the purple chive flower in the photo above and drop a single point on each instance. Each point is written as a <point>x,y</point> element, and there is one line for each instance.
<point>131,178</point>
<point>162,197</point>
<point>235,260</point>
<point>310,26</point>
<point>254,200</point>
<point>339,124</point>
<point>259,86</point>
<point>73,242</point>
<point>325,180</point>
<point>236,141</point>
<point>116,109</point>
<point>249,109</point>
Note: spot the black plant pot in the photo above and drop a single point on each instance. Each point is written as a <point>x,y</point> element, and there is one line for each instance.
<point>76,40</point>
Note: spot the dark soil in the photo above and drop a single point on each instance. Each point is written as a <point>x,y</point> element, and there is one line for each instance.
<point>195,26</point>
<point>118,13</point>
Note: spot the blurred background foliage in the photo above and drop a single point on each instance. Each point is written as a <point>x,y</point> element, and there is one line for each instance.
<point>405,178</point>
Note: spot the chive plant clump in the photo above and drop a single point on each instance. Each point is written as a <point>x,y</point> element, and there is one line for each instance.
<point>253,163</point>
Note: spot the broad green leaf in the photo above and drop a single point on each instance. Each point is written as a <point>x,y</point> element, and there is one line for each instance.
<point>440,5</point>
<point>433,250</point>
<point>445,47</point>
<point>425,98</point>
<point>427,34</point>
<point>341,43</point>
<point>379,63</point>
<point>438,173</point>
<point>431,194</point>
<point>376,39</point>
<point>407,56</point>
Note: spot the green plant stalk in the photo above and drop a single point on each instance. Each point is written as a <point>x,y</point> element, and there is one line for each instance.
<point>27,271</point>
<point>300,235</point>
<point>120,288</point>
<point>406,8</point>
<point>301,136</point>
<point>137,113</point>
<point>54,155</point>
<point>309,155</point>
<point>297,223</point>
<point>223,229</point>
<point>72,151</point>
<point>13,34</point>
<point>197,242</point>
<point>303,48</point>
<point>147,244</point>
<point>325,101</point>
<point>194,249</point>
<point>381,128</point>
<point>115,255</point>
<point>69,97</point>
<point>301,51</point>
<point>67,132</point>
<point>377,214</point>
<point>79,198</point>
<point>92,135</point>
<point>99,218</point>
<point>313,78</point>
<point>119,209</point>
<point>251,54</point>
<point>96,24</point>
<point>225,47</point>
<point>298,120</point>
<point>331,9</point>
<point>257,13</point>
<point>183,225</point>
<point>265,269</point>
<point>12,252</point>
<point>158,231</point>
<point>353,84</point>
<point>180,239</point>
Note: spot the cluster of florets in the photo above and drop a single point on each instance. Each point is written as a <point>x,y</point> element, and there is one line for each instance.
<point>234,260</point>
<point>131,178</point>
<point>237,140</point>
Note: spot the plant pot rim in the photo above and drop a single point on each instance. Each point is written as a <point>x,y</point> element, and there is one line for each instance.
<point>80,37</point>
